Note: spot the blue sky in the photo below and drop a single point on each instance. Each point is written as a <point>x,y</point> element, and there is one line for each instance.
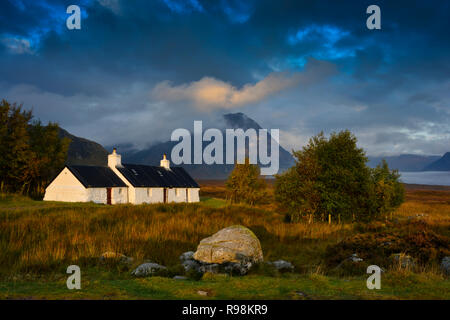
<point>139,69</point>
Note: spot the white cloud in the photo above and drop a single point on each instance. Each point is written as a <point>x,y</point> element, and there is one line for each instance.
<point>210,93</point>
<point>17,45</point>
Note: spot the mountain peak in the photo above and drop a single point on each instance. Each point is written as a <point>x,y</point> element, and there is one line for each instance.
<point>240,120</point>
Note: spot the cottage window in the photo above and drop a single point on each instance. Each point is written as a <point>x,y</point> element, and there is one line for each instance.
<point>149,192</point>
<point>120,190</point>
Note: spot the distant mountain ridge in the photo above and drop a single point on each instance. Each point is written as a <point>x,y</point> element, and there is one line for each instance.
<point>442,164</point>
<point>404,162</point>
<point>86,152</point>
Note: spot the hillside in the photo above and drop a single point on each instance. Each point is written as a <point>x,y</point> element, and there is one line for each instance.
<point>83,151</point>
<point>442,164</point>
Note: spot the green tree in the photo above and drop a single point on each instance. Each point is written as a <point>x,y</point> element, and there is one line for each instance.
<point>30,154</point>
<point>244,185</point>
<point>331,177</point>
<point>389,192</point>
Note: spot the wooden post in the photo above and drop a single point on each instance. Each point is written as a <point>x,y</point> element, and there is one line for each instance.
<point>329,219</point>
<point>310,220</point>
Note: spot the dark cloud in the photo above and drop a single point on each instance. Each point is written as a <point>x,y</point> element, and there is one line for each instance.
<point>390,86</point>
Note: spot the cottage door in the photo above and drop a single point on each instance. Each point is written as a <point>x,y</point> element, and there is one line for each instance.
<point>165,195</point>
<point>108,195</point>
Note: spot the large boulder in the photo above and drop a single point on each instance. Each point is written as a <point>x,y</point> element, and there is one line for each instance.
<point>236,244</point>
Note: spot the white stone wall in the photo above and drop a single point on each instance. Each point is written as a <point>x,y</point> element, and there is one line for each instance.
<point>148,195</point>
<point>119,195</point>
<point>67,188</point>
<point>177,195</point>
<point>194,195</point>
<point>97,195</point>
<point>131,196</point>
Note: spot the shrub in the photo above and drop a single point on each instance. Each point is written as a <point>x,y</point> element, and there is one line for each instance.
<point>245,184</point>
<point>414,238</point>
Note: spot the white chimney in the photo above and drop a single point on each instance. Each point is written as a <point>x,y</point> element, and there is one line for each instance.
<point>114,159</point>
<point>165,163</point>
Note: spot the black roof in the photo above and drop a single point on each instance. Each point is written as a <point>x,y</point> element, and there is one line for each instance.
<point>150,176</point>
<point>96,176</point>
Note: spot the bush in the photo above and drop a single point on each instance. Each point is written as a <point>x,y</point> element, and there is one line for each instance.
<point>245,185</point>
<point>415,238</point>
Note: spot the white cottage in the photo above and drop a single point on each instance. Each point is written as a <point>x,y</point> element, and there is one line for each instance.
<point>123,183</point>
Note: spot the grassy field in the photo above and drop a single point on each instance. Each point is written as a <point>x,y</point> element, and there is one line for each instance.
<point>38,240</point>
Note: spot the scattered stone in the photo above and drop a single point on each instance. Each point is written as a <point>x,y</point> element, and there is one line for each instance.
<point>180,278</point>
<point>190,265</point>
<point>283,266</point>
<point>232,244</point>
<point>301,294</point>
<point>189,255</point>
<point>202,293</point>
<point>237,268</point>
<point>405,261</point>
<point>211,268</point>
<point>445,265</point>
<point>147,269</point>
<point>354,258</point>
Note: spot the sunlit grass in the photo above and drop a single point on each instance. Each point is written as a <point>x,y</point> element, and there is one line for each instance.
<point>38,240</point>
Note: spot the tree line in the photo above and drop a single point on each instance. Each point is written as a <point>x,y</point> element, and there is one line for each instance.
<point>330,178</point>
<point>31,154</point>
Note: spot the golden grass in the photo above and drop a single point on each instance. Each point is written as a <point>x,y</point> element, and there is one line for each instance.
<point>39,237</point>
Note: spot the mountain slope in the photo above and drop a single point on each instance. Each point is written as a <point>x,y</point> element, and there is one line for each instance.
<point>442,164</point>
<point>83,151</point>
<point>404,162</point>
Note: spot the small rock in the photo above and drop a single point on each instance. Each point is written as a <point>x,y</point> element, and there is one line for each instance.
<point>445,265</point>
<point>283,266</point>
<point>301,294</point>
<point>147,269</point>
<point>354,258</point>
<point>212,268</point>
<point>190,265</point>
<point>237,268</point>
<point>202,293</point>
<point>180,278</point>
<point>189,255</point>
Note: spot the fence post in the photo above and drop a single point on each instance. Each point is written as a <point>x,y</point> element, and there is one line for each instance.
<point>329,218</point>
